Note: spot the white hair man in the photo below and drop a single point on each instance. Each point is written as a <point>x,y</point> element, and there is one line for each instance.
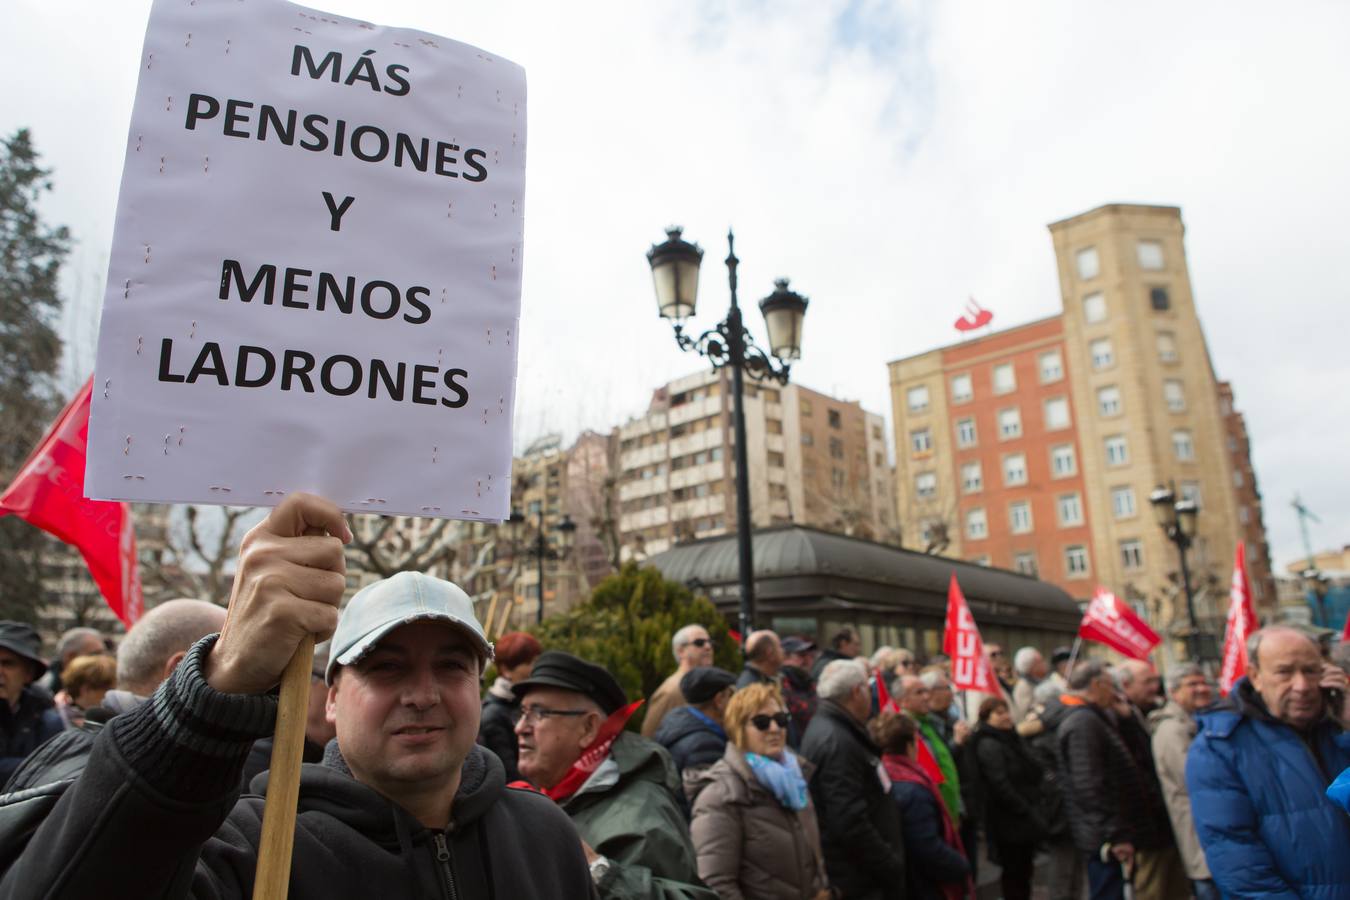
<point>1031,669</point>
<point>859,823</point>
<point>1174,728</point>
<point>691,647</point>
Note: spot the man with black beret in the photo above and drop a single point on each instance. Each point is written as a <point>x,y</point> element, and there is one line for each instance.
<point>27,718</point>
<point>693,733</point>
<point>620,789</point>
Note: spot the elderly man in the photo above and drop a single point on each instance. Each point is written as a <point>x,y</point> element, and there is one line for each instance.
<point>74,643</point>
<point>405,803</point>
<point>915,697</point>
<point>692,647</point>
<point>1174,728</point>
<point>844,645</point>
<point>763,659</point>
<point>620,790</point>
<point>859,824</point>
<point>26,716</point>
<point>1258,772</point>
<point>1031,670</point>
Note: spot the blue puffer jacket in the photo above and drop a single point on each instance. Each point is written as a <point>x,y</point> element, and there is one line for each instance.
<point>1258,797</point>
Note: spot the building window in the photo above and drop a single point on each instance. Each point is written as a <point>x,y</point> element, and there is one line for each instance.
<point>965,433</point>
<point>925,485</point>
<point>1150,255</point>
<point>1158,299</point>
<point>1025,563</point>
<point>1108,401</point>
<point>1088,264</point>
<point>1122,502</point>
<point>1117,450</point>
<point>1182,445</point>
<point>1056,413</point>
<point>1019,517</point>
<point>1052,367</point>
<point>775,459</point>
<point>1094,308</point>
<point>1103,356</point>
<point>808,439</point>
<point>962,389</point>
<point>1175,395</point>
<point>1070,510</point>
<point>1005,380</point>
<point>1237,478</point>
<point>1014,469</point>
<point>1075,561</point>
<point>1131,554</point>
<point>839,479</point>
<point>837,447</point>
<point>921,441</point>
<point>806,408</point>
<point>1244,515</point>
<point>1062,461</point>
<point>1190,490</point>
<point>918,398</point>
<point>1009,424</point>
<point>977,526</point>
<point>972,478</point>
<point>1167,347</point>
<point>773,426</point>
<point>836,420</point>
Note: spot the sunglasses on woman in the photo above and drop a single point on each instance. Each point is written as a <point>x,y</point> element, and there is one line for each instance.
<point>763,722</point>
<point>703,642</point>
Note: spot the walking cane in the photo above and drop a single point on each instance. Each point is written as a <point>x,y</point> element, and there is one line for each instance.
<point>283,783</point>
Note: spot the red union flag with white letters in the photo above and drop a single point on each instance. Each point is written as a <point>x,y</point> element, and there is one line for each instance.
<point>962,642</point>
<point>1113,623</point>
<point>1241,624</point>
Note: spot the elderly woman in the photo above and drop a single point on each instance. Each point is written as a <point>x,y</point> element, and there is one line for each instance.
<point>753,823</point>
<point>935,861</point>
<point>1012,783</point>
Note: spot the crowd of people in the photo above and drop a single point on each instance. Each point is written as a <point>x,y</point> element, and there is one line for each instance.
<point>812,773</point>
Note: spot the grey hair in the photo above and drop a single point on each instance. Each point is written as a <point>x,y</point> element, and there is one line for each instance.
<point>932,677</point>
<point>881,659</point>
<point>1045,691</point>
<point>1179,673</point>
<point>72,638</point>
<point>682,637</point>
<point>171,627</point>
<point>840,678</point>
<point>1254,642</point>
<point>1024,659</point>
<point>1086,672</point>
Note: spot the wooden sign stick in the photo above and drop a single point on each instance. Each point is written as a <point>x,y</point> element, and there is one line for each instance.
<point>283,784</point>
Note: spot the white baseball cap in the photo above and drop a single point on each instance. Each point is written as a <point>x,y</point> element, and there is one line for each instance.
<point>379,608</point>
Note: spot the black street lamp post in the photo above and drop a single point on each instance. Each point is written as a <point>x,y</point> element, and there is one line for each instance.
<point>1178,520</point>
<point>675,265</point>
<point>540,547</point>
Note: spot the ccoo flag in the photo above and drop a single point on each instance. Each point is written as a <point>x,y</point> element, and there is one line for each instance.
<point>1241,624</point>
<point>1113,623</point>
<point>48,493</point>
<point>962,642</point>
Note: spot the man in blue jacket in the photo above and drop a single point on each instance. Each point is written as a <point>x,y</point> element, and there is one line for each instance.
<point>1259,768</point>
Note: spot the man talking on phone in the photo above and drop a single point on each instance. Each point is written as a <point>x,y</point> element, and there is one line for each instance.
<point>1259,769</point>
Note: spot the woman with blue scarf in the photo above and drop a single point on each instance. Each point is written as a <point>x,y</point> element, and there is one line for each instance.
<point>753,823</point>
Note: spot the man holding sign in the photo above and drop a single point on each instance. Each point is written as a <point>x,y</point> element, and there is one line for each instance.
<point>405,803</point>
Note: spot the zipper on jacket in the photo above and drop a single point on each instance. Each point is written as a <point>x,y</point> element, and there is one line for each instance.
<point>447,869</point>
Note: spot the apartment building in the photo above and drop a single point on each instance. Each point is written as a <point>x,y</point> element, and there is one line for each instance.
<point>1036,448</point>
<point>1249,511</point>
<point>813,460</point>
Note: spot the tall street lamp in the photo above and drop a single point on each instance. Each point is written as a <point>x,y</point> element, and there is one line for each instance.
<point>1177,518</point>
<point>540,547</point>
<point>675,264</point>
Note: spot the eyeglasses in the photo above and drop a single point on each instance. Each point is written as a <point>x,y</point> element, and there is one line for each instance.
<point>703,642</point>
<point>533,715</point>
<point>763,722</point>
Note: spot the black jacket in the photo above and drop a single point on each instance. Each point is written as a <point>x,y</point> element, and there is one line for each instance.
<point>260,757</point>
<point>497,732</point>
<point>690,740</point>
<point>827,656</point>
<point>799,692</point>
<point>23,730</point>
<point>931,860</point>
<point>157,813</point>
<point>1012,792</point>
<point>859,824</point>
<point>1104,788</point>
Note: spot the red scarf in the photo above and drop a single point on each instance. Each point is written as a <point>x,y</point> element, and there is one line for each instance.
<point>902,768</point>
<point>590,759</point>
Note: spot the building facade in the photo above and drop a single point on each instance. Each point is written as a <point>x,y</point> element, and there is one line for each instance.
<point>813,460</point>
<point>1036,448</point>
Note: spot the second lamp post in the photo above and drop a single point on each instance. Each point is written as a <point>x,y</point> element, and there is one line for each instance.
<point>540,547</point>
<point>675,265</point>
<point>1178,520</point>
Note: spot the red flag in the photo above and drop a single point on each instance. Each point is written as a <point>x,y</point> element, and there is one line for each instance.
<point>48,493</point>
<point>1241,624</point>
<point>962,642</point>
<point>1345,632</point>
<point>926,760</point>
<point>1113,623</point>
<point>884,701</point>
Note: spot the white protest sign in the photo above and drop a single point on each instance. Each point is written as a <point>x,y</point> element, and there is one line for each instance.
<point>316,267</point>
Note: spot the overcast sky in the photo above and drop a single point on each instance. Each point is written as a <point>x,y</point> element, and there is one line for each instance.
<point>893,159</point>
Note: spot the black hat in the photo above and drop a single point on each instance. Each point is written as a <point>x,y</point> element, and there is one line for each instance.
<point>702,683</point>
<point>1059,655</point>
<point>797,645</point>
<point>22,639</point>
<point>557,669</point>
